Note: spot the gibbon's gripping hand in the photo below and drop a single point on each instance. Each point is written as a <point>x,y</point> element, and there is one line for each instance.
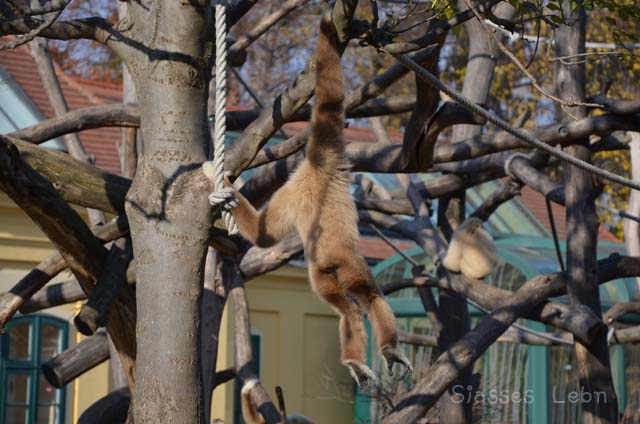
<point>226,197</point>
<point>364,377</point>
<point>393,356</point>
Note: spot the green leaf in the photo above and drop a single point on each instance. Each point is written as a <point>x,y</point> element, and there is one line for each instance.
<point>556,19</point>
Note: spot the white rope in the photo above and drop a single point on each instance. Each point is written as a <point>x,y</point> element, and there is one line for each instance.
<point>221,195</point>
<point>434,82</point>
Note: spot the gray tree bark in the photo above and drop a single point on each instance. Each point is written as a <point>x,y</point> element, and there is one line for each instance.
<point>167,207</point>
<point>453,306</point>
<point>592,359</point>
<point>453,312</point>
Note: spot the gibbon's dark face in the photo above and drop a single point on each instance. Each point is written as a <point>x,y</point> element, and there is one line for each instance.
<point>475,224</point>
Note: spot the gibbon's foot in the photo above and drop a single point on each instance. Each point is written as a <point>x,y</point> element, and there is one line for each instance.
<point>365,378</point>
<point>225,197</point>
<point>392,356</point>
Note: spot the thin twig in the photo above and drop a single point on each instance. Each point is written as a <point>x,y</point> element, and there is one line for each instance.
<point>523,69</point>
<point>253,95</point>
<point>393,246</point>
<point>618,212</point>
<point>33,33</point>
<point>564,59</point>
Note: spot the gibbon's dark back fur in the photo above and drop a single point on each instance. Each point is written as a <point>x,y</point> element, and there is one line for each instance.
<point>327,120</point>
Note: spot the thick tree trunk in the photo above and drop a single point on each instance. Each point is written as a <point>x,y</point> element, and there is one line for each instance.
<point>453,312</point>
<point>453,306</point>
<point>168,210</point>
<point>592,359</point>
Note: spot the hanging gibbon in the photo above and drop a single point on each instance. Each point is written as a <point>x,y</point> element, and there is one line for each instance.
<point>317,204</point>
<point>471,250</point>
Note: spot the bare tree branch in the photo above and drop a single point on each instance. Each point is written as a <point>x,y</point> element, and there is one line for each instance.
<point>33,33</point>
<point>112,115</point>
<point>619,310</point>
<point>95,312</point>
<point>368,157</point>
<point>507,191</point>
<point>258,260</point>
<point>616,106</point>
<point>264,25</point>
<point>76,182</point>
<point>29,285</point>
<point>93,28</point>
<point>291,100</point>
<point>82,251</point>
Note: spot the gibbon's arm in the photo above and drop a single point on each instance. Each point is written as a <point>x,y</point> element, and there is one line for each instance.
<point>272,224</point>
<point>253,225</point>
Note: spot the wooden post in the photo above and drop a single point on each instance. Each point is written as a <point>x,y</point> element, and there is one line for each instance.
<point>54,295</point>
<point>77,360</point>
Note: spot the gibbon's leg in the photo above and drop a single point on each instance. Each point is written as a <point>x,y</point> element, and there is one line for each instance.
<point>353,337</point>
<point>267,227</point>
<point>355,277</point>
<point>250,414</point>
<point>453,257</point>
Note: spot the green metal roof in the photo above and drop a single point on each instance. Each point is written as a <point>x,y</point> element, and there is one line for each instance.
<point>531,256</point>
<point>18,111</point>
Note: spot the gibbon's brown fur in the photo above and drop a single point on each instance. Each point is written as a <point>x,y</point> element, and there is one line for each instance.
<point>251,416</point>
<point>317,204</point>
<point>471,251</point>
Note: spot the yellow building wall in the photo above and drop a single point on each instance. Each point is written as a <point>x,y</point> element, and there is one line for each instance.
<point>23,246</point>
<point>300,350</point>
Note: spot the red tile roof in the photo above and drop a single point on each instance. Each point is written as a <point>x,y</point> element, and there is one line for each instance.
<point>536,204</point>
<point>101,143</point>
<point>374,248</point>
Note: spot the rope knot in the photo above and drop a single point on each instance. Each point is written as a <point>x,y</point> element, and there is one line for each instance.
<point>222,197</point>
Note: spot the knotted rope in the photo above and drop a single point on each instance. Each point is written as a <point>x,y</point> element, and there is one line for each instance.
<point>221,195</point>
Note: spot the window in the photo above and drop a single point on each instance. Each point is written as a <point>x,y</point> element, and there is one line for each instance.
<point>27,397</point>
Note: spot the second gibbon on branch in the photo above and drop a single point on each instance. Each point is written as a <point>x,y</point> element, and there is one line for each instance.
<point>471,251</point>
